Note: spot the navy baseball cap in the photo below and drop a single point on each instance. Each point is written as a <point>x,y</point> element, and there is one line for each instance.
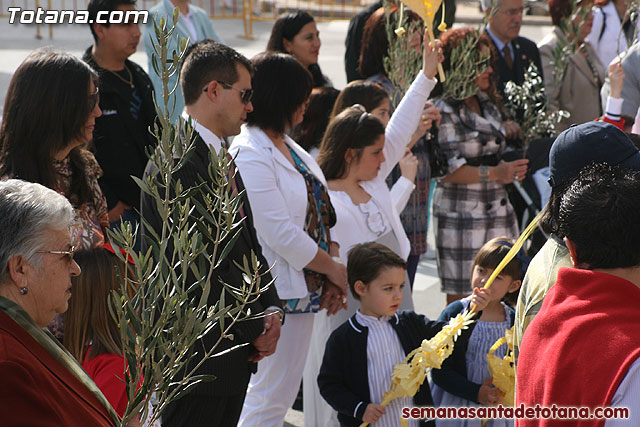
<point>591,142</point>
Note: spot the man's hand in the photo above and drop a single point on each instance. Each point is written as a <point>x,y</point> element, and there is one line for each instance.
<point>266,343</point>
<point>373,413</point>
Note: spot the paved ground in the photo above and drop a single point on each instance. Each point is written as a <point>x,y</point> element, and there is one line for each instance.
<point>16,41</point>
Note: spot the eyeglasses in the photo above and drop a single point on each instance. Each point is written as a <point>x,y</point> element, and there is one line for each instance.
<point>513,12</point>
<point>68,255</point>
<point>245,94</point>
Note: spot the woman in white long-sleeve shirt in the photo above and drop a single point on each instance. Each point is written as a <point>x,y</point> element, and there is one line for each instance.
<point>292,215</point>
<point>356,155</point>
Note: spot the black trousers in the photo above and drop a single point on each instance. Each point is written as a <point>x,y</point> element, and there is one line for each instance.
<point>204,411</point>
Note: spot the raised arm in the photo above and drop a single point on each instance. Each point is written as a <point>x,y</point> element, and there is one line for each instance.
<point>406,117</point>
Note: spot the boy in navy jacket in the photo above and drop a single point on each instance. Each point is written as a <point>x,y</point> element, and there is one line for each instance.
<point>360,355</point>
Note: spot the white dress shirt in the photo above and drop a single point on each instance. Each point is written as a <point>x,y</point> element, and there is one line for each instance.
<point>383,352</point>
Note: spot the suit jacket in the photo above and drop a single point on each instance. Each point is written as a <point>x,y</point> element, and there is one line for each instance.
<point>525,52</point>
<point>578,92</point>
<point>233,369</point>
<point>37,390</point>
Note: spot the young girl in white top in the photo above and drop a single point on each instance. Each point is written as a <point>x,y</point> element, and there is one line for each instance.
<point>356,155</point>
<point>464,379</point>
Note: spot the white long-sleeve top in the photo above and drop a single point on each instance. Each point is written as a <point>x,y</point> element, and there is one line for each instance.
<point>278,196</point>
<point>351,228</point>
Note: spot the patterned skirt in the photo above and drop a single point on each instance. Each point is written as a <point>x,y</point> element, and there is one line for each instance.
<point>465,218</point>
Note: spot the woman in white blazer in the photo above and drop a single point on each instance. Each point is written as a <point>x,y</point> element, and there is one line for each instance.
<point>357,154</point>
<point>288,195</point>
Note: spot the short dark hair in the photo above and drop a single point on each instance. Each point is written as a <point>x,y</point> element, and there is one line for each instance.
<point>52,88</point>
<point>350,129</point>
<point>205,61</point>
<point>367,260</point>
<point>599,214</point>
<point>281,85</point>
<point>368,94</point>
<point>375,44</point>
<point>96,6</point>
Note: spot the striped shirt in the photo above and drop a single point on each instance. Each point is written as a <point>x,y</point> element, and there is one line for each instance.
<point>383,352</point>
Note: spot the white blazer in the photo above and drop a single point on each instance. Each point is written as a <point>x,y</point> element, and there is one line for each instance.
<point>278,196</point>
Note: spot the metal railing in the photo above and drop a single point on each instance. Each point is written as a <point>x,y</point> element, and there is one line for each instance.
<point>249,11</point>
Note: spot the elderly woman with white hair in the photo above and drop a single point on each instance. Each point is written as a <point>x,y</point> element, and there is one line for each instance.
<point>39,380</point>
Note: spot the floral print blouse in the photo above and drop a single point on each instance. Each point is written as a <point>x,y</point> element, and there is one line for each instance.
<point>91,219</point>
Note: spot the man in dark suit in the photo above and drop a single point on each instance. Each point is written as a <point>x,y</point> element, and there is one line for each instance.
<point>216,83</point>
<point>515,53</point>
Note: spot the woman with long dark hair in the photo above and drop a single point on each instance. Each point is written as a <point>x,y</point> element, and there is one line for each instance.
<point>296,33</point>
<point>49,116</point>
<point>48,119</point>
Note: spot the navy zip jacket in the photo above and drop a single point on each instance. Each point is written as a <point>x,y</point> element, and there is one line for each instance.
<point>343,378</point>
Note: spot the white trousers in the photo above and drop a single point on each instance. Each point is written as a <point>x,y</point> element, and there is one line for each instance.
<point>274,387</point>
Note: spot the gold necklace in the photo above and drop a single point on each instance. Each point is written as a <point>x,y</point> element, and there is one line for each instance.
<point>130,81</point>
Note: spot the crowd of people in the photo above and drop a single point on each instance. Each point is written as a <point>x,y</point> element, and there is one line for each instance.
<point>335,188</point>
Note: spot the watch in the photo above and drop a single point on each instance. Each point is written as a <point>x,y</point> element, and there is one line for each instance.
<point>483,173</point>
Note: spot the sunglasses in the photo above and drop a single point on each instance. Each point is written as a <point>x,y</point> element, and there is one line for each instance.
<point>94,98</point>
<point>245,94</point>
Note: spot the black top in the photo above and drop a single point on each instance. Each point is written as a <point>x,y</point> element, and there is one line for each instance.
<point>121,135</point>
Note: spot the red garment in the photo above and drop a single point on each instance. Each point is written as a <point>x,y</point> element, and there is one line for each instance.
<point>581,344</point>
<point>107,371</point>
<point>617,123</point>
<point>36,390</point>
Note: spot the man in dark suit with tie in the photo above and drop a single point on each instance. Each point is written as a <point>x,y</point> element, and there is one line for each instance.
<point>515,53</point>
<point>216,83</point>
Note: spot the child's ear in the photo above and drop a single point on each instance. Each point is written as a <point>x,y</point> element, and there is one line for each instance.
<point>514,286</point>
<point>360,287</point>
